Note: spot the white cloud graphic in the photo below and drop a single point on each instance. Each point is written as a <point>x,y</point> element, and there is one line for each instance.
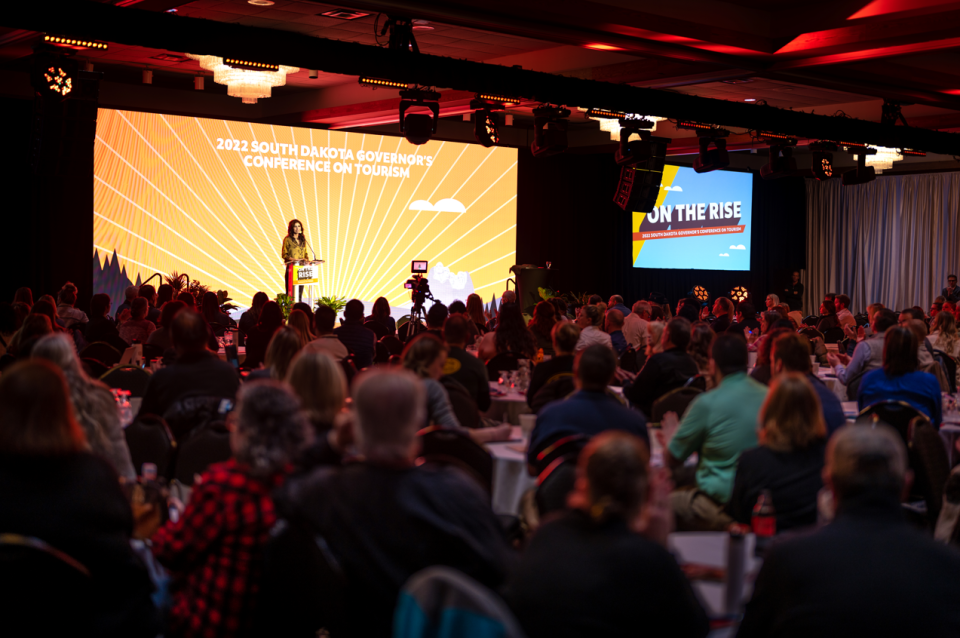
<point>738,247</point>
<point>673,188</point>
<point>443,206</point>
<point>724,254</point>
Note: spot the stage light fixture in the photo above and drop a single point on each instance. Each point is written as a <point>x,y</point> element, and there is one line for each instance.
<point>418,128</point>
<point>54,77</point>
<point>821,162</point>
<point>701,293</point>
<point>862,173</point>
<point>549,130</point>
<point>712,159</point>
<point>485,130</point>
<point>389,84</point>
<point>777,138</point>
<point>645,152</point>
<point>73,43</point>
<point>781,163</point>
<point>252,66</point>
<point>739,294</point>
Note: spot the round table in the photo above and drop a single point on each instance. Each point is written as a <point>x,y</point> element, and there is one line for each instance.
<point>510,477</point>
<point>831,381</point>
<point>506,404</point>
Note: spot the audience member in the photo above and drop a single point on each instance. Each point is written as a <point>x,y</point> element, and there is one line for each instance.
<point>943,334</point>
<point>23,295</point>
<point>899,379</point>
<point>561,307</point>
<point>844,316</point>
<point>426,357</point>
<point>436,317</point>
<point>793,293</point>
<point>772,301</point>
<point>600,569</point>
<point>55,490</point>
<point>746,319</point>
<point>161,336</point>
<point>541,325</point>
<point>319,382</point>
<point>66,307</point>
<point>952,292</point>
<point>131,293</point>
<point>767,321</point>
<point>789,459</point>
<point>565,337</point>
<point>380,319</point>
<point>33,328</point>
<point>210,309</point>
<point>214,553</point>
<point>588,411</point>
<point>304,307</point>
<point>188,298</point>
<point>283,347</point>
<point>701,340</point>
<point>867,356</point>
<point>299,322</point>
<point>149,293</point>
<point>791,354</point>
<point>137,329</point>
<point>93,404</point>
<point>654,337</point>
<point>271,320</point>
<point>196,370</point>
<point>250,318</point>
<point>590,321</point>
<point>45,306</point>
<point>828,316</point>
<point>164,294</point>
<point>718,426</point>
<point>656,312</point>
<point>475,311</point>
<point>614,327</point>
<point>723,311</point>
<point>463,367</point>
<point>360,341</point>
<point>869,573</point>
<point>763,369</point>
<point>101,327</point>
<point>690,309</point>
<point>635,326</point>
<point>616,303</point>
<point>510,335</point>
<point>327,341</point>
<point>910,314</point>
<point>384,519</point>
<point>924,349</point>
<point>665,370</point>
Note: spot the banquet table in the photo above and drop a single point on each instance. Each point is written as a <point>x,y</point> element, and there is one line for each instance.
<point>507,404</point>
<point>241,353</point>
<point>510,478</point>
<point>831,381</point>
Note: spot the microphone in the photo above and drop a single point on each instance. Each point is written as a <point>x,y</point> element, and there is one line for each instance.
<point>311,250</point>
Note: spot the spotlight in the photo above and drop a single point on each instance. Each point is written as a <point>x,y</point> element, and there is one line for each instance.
<point>701,293</point>
<point>53,76</point>
<point>822,162</point>
<point>862,173</point>
<point>739,294</point>
<point>417,128</point>
<point>781,163</point>
<point>647,152</point>
<point>711,159</point>
<point>485,129</point>
<point>549,130</point>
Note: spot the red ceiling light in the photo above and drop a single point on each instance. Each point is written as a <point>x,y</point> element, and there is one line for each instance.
<point>598,46</point>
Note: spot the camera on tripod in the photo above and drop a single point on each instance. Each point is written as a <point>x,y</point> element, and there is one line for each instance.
<point>418,286</point>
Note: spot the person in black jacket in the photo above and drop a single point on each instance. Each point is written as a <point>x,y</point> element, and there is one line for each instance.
<point>54,490</point>
<point>463,367</point>
<point>665,370</point>
<point>601,569</point>
<point>869,572</point>
<point>101,327</point>
<point>565,336</point>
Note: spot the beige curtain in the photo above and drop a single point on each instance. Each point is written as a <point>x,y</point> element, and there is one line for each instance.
<point>893,240</point>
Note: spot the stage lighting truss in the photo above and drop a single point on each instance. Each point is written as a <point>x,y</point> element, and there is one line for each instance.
<point>701,293</point>
<point>388,84</point>
<point>821,163</point>
<point>486,130</point>
<point>418,128</point>
<point>549,130</point>
<point>74,43</point>
<point>739,294</point>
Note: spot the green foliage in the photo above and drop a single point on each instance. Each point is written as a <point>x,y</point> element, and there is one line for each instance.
<point>547,293</point>
<point>178,281</point>
<point>224,301</point>
<point>335,303</point>
<point>285,302</point>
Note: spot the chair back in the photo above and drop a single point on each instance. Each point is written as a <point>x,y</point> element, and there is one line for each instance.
<point>450,447</point>
<point>502,361</point>
<point>93,368</point>
<point>464,406</point>
<point>697,381</point>
<point>554,485</point>
<point>928,459</point>
<point>557,387</point>
<point>102,352</point>
<point>392,343</point>
<point>39,579</point>
<point>833,335</point>
<point>378,328</point>
<point>133,379</point>
<point>862,319</point>
<point>381,354</point>
<point>628,360</point>
<point>896,414</point>
<point>189,413</point>
<point>150,441</point>
<point>676,400</point>
<point>441,602</point>
<point>949,368</point>
<point>201,449</point>
<point>811,320</point>
<point>563,447</point>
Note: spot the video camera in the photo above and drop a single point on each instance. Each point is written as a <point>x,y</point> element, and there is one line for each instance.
<point>418,285</point>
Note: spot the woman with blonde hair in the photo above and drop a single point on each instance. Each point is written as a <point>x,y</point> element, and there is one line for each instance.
<point>93,404</point>
<point>788,462</point>
<point>321,385</point>
<point>943,334</point>
<point>300,323</point>
<point>283,347</point>
<point>655,337</point>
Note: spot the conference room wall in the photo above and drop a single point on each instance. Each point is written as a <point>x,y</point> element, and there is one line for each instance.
<point>566,215</point>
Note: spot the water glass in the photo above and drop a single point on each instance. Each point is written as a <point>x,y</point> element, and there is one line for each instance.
<point>227,338</point>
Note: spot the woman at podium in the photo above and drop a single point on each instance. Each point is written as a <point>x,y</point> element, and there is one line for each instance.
<point>294,250</point>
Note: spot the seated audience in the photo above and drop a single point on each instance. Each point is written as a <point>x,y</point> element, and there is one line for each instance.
<point>161,336</point>
<point>666,370</point>
<point>164,294</point>
<point>33,328</point>
<point>436,317</point>
<point>196,370</point>
<point>943,334</point>
<point>910,314</point>
<point>655,337</point>
<point>690,309</point>
<point>701,340</point>
<point>541,325</point>
<point>305,309</point>
<point>137,329</point>
<point>426,357</point>
<point>899,379</point>
<point>299,322</point>
<point>510,335</point>
<point>951,293</point>
<point>93,404</point>
<point>746,319</point>
<point>868,573</point>
<point>867,356</point>
<point>763,369</point>
<point>844,316</point>
<point>271,320</point>
<point>283,347</point>
<point>616,303</point>
<point>475,312</point>
<point>385,324</point>
<point>214,553</point>
<point>210,309</point>
<point>188,298</point>
<point>460,308</point>
<point>772,301</point>
<point>327,341</point>
<point>565,337</point>
<point>131,293</point>
<point>635,326</point>
<point>319,382</point>
<point>66,307</point>
<point>588,411</point>
<point>561,307</point>
<point>149,293</point>
<point>463,367</point>
<point>789,459</point>
<point>56,491</point>
<point>101,327</point>
<point>250,318</point>
<point>360,341</point>
<point>590,321</point>
<point>791,353</point>
<point>600,569</point>
<point>718,426</point>
<point>828,316</point>
<point>383,519</point>
<point>24,295</point>
<point>723,311</point>
<point>47,308</point>
<point>614,327</point>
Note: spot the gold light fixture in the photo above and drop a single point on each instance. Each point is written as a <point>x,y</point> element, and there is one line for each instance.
<point>248,84</point>
<point>701,293</point>
<point>739,294</point>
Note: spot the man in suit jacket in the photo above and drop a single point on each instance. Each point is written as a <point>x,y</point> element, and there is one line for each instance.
<point>723,311</point>
<point>868,573</point>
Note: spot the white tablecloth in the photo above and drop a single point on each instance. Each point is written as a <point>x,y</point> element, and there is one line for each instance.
<point>510,478</point>
<point>710,549</point>
<point>839,390</point>
<point>508,407</point>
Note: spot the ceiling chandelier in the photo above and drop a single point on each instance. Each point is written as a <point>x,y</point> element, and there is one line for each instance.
<point>883,159</point>
<point>248,84</point>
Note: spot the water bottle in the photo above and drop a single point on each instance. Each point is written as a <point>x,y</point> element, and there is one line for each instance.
<point>764,521</point>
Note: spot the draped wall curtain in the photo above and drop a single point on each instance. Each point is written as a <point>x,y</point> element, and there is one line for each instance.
<point>893,240</point>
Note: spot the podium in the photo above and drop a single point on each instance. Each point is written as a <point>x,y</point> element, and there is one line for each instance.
<point>305,273</point>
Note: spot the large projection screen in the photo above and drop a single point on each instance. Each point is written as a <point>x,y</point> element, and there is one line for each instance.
<point>212,198</point>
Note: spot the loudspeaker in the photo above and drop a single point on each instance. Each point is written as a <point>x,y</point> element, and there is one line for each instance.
<point>638,189</point>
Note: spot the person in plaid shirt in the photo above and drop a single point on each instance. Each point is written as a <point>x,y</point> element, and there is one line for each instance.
<point>215,552</point>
